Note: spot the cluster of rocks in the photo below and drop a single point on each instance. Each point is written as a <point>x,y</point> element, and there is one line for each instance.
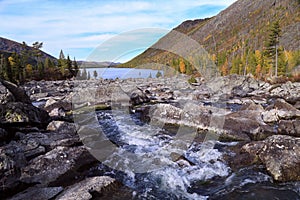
<point>40,157</point>
<point>41,152</point>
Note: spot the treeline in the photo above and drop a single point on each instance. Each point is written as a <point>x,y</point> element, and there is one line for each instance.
<point>30,64</point>
<point>271,60</point>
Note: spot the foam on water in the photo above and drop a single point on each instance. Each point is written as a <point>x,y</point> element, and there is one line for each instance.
<point>174,177</point>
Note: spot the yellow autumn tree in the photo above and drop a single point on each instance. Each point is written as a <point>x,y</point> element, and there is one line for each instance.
<point>11,61</point>
<point>258,71</point>
<point>182,66</point>
<point>28,70</point>
<point>225,69</point>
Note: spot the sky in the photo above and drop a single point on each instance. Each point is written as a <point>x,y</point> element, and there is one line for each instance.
<point>78,27</point>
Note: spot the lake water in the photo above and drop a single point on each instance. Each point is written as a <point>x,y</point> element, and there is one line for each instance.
<point>122,73</point>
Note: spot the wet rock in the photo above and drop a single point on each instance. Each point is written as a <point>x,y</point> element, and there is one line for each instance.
<point>88,188</point>
<point>280,154</point>
<point>36,193</point>
<point>17,112</point>
<point>62,127</point>
<point>54,164</point>
<point>238,159</point>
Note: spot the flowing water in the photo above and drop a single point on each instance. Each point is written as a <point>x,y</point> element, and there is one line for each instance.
<point>199,172</point>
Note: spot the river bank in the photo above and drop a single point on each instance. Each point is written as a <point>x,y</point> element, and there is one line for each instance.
<point>255,125</point>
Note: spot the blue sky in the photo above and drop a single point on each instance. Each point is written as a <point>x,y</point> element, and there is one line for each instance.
<point>79,27</point>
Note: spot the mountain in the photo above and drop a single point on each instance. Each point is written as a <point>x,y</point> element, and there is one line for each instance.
<point>7,47</point>
<point>90,64</point>
<point>233,36</point>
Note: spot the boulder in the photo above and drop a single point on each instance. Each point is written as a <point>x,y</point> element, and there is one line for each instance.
<point>55,164</point>
<point>88,189</point>
<point>18,93</point>
<point>201,118</point>
<point>37,193</point>
<point>5,95</point>
<point>248,120</point>
<point>280,109</point>
<point>288,91</point>
<point>289,127</point>
<point>62,127</point>
<point>52,104</point>
<point>18,112</point>
<point>280,154</point>
<point>57,112</point>
<point>138,97</point>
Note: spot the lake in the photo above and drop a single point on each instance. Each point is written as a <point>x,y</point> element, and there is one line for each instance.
<point>122,73</point>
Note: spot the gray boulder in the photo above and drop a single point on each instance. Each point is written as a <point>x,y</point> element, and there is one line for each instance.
<point>36,193</point>
<point>18,93</point>
<point>280,109</point>
<point>85,189</point>
<point>289,127</point>
<point>62,127</point>
<point>18,112</point>
<point>138,97</point>
<point>53,165</point>
<point>280,154</point>
<point>52,104</point>
<point>5,95</point>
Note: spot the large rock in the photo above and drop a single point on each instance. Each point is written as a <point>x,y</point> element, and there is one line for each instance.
<point>53,103</point>
<point>234,85</point>
<point>248,120</point>
<point>18,112</point>
<point>53,165</point>
<point>19,109</point>
<point>280,154</point>
<point>280,109</point>
<point>17,154</point>
<point>198,117</point>
<point>36,193</point>
<point>289,127</point>
<point>5,95</point>
<point>138,97</point>
<point>18,93</point>
<point>288,91</point>
<point>87,188</point>
<point>248,85</point>
<point>62,127</point>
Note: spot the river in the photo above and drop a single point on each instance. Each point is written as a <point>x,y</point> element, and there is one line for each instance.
<point>200,173</point>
